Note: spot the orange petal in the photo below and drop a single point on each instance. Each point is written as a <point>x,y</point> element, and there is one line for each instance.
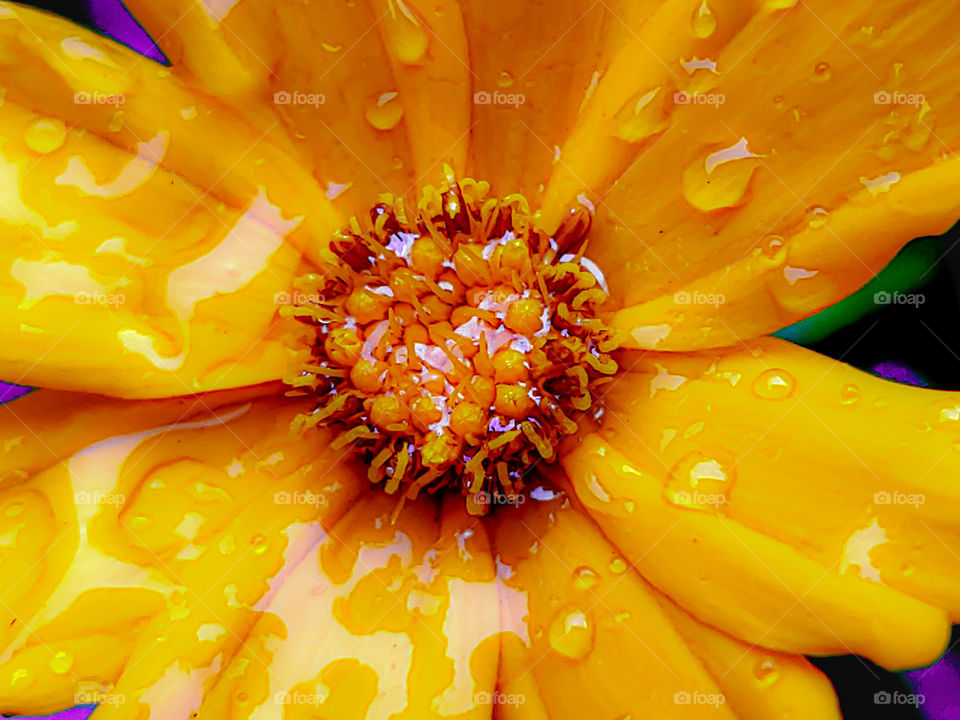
<point>532,63</point>
<point>175,531</point>
<point>757,683</point>
<point>698,457</point>
<point>388,621</point>
<point>776,136</point>
<point>146,227</point>
<point>592,639</point>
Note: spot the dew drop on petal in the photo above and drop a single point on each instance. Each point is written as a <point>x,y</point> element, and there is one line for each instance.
<point>640,117</point>
<point>720,179</point>
<point>618,566</point>
<point>774,384</point>
<point>45,135</point>
<point>704,21</point>
<point>850,395</point>
<point>410,38</point>
<point>384,111</point>
<point>766,672</point>
<point>571,633</point>
<point>61,662</point>
<point>585,577</point>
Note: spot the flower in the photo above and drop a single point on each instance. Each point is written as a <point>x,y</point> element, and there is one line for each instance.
<point>174,543</point>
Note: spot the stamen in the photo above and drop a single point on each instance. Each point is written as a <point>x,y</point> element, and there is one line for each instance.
<point>455,346</point>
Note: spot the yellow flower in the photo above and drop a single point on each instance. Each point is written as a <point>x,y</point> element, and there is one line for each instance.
<point>170,547</point>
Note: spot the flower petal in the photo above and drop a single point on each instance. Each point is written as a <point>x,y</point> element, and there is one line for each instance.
<point>788,151</point>
<point>379,619</point>
<point>532,64</point>
<point>761,469</point>
<point>592,639</point>
<point>757,683</point>
<point>145,226</point>
<point>176,531</point>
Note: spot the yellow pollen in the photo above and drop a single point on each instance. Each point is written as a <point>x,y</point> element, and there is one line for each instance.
<point>453,346</point>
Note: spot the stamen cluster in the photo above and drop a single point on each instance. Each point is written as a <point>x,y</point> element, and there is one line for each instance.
<point>453,346</point>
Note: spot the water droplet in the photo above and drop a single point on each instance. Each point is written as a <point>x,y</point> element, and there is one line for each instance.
<point>818,217</point>
<point>698,482</point>
<point>46,135</point>
<point>704,21</point>
<point>920,129</point>
<point>14,509</point>
<point>822,71</point>
<point>640,117</point>
<point>774,249</point>
<point>138,522</point>
<point>408,34</point>
<point>571,634</point>
<point>766,672</point>
<point>618,566</point>
<point>908,569</point>
<point>384,111</point>
<point>189,113</point>
<point>22,678</point>
<point>116,121</point>
<point>585,577</point>
<point>775,384</point>
<point>259,543</point>
<point>227,545</point>
<point>850,395</point>
<point>397,162</point>
<point>61,663</point>
<point>331,48</point>
<point>505,79</point>
<point>720,179</point>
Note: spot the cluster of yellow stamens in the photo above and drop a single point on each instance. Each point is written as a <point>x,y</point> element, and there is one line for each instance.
<point>453,346</point>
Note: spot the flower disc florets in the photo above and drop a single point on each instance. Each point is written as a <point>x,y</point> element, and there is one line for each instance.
<point>455,345</point>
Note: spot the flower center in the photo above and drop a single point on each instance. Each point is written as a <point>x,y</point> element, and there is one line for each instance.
<point>455,345</point>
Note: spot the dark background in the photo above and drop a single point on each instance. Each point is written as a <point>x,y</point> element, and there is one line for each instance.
<point>925,339</point>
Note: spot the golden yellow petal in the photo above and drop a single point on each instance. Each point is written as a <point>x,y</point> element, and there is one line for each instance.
<point>786,152</point>
<point>378,620</point>
<point>590,639</point>
<point>133,567</point>
<point>769,471</point>
<point>149,233</point>
<point>758,684</point>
